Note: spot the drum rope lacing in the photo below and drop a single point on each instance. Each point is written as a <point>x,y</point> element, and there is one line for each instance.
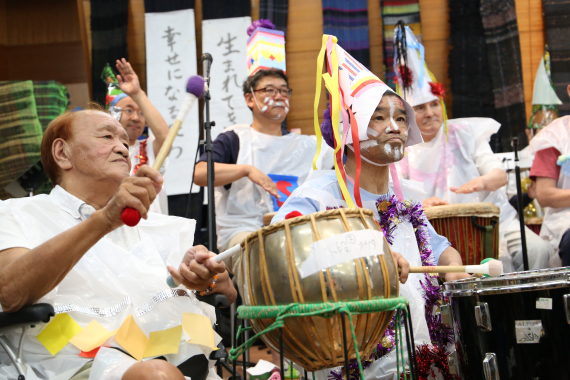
<point>325,310</point>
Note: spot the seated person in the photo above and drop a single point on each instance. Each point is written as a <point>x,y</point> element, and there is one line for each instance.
<point>385,125</point>
<point>247,156</point>
<point>71,249</point>
<point>133,109</point>
<point>456,164</point>
<point>553,186</point>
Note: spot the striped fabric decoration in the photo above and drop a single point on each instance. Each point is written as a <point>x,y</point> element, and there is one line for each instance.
<point>20,131</point>
<point>275,11</point>
<point>51,100</point>
<point>348,21</point>
<point>392,12</point>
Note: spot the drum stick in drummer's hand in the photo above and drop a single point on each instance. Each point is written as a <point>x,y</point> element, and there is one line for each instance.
<point>492,268</point>
<point>218,258</point>
<point>194,91</point>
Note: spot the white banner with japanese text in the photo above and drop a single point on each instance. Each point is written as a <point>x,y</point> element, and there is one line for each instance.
<point>226,40</point>
<point>170,61</point>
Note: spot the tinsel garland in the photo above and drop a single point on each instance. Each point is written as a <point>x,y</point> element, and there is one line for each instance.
<point>393,212</point>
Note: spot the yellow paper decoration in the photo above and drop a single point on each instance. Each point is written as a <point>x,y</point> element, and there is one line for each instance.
<point>58,333</point>
<point>91,337</point>
<point>163,342</point>
<point>132,338</point>
<point>200,330</point>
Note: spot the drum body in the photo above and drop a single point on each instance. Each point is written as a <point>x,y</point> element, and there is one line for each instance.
<point>471,228</point>
<point>269,262</point>
<point>512,327</point>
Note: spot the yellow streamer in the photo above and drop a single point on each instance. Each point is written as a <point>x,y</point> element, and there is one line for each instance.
<point>320,60</point>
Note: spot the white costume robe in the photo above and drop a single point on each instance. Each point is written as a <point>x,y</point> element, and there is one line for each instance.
<point>123,273</point>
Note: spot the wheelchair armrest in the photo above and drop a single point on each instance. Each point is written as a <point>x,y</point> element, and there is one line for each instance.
<point>216,300</point>
<point>30,314</point>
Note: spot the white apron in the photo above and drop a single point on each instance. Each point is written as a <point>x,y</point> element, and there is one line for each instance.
<point>241,208</point>
<point>113,279</point>
<point>556,220</point>
<point>160,204</point>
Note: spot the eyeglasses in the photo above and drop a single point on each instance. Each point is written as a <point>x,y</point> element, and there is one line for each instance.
<point>271,91</point>
<point>130,112</point>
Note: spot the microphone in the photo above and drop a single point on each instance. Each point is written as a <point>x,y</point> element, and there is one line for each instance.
<point>194,91</point>
<point>206,65</point>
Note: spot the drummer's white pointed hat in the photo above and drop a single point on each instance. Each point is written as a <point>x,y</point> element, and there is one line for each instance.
<point>544,93</point>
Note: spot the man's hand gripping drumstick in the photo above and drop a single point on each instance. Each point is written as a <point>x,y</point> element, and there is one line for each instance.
<point>195,90</point>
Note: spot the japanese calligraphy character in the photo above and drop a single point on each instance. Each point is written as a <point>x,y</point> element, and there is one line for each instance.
<point>229,67</point>
<point>228,44</point>
<point>232,117</point>
<point>229,100</point>
<point>170,37</point>
<point>173,60</point>
<point>180,150</point>
<point>173,111</point>
<point>227,82</point>
<point>174,72</point>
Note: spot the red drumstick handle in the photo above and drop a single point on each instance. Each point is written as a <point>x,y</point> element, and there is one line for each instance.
<point>130,217</point>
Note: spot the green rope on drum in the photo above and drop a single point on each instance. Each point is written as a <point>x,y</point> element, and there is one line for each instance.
<point>325,310</point>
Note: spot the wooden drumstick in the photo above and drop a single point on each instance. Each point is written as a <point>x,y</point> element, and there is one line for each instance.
<point>194,91</point>
<point>218,258</point>
<point>492,268</point>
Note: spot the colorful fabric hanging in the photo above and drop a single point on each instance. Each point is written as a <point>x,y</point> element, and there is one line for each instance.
<point>109,25</point>
<point>275,11</point>
<point>52,100</point>
<point>20,131</point>
<point>471,84</point>
<point>499,19</point>
<point>557,25</point>
<point>348,21</point>
<point>393,11</point>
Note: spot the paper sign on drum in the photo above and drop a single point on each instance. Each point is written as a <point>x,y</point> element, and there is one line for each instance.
<point>341,248</point>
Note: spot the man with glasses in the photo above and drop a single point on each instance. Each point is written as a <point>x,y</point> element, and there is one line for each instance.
<point>257,166</point>
<point>134,111</point>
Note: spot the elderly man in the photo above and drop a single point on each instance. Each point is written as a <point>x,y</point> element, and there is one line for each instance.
<point>106,281</point>
<point>456,163</point>
<point>130,105</point>
<point>384,125</point>
<point>257,166</point>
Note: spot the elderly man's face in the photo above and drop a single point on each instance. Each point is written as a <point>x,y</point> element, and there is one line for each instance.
<point>99,147</point>
<point>387,132</point>
<point>429,117</point>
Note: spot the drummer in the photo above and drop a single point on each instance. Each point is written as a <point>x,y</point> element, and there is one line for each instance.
<point>553,186</point>
<point>456,164</point>
<point>384,124</point>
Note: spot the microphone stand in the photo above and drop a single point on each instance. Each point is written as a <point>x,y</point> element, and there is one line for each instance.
<point>515,143</point>
<point>209,148</point>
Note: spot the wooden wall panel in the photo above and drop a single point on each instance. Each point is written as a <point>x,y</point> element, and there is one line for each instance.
<point>530,21</point>
<point>303,42</point>
<point>435,33</point>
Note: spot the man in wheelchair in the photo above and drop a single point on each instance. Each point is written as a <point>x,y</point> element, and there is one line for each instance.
<point>115,313</point>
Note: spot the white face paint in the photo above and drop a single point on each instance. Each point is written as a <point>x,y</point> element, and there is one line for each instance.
<point>264,109</point>
<point>387,148</point>
<point>371,132</point>
<point>396,154</point>
<point>270,102</point>
<point>392,110</point>
<point>368,144</point>
<point>287,102</point>
<point>266,100</point>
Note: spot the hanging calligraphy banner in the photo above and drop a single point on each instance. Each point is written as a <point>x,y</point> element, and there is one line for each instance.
<point>170,61</point>
<point>226,40</point>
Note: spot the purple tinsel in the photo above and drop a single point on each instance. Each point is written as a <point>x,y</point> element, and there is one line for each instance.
<point>392,212</point>
<point>261,23</point>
